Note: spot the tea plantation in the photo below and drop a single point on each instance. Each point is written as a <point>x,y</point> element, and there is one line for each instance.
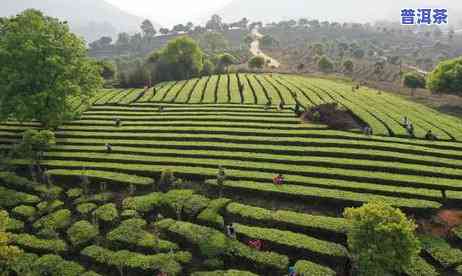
<point>124,221</point>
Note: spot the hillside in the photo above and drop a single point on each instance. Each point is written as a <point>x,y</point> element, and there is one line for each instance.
<point>204,123</point>
<point>344,11</point>
<point>88,18</point>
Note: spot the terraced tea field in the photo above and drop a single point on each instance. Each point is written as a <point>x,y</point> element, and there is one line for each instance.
<point>207,122</point>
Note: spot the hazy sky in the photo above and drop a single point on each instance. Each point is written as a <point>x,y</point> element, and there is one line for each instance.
<point>168,12</point>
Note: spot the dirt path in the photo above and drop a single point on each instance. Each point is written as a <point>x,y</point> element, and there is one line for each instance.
<point>256,51</point>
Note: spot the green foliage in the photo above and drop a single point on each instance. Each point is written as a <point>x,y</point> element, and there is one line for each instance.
<point>213,41</point>
<point>60,219</point>
<point>43,60</point>
<point>8,253</point>
<point>55,265</point>
<point>447,77</point>
<point>224,61</point>
<point>441,251</point>
<point>44,245</point>
<point>25,211</point>
<point>82,232</point>
<point>35,142</point>
<point>167,179</point>
<point>414,80</point>
<point>123,178</point>
<point>132,232</point>
<point>74,193</point>
<point>11,198</point>
<point>107,69</point>
<point>86,208</point>
<point>211,215</point>
<point>307,268</point>
<point>419,267</point>
<point>348,66</point>
<point>180,59</point>
<point>257,62</point>
<point>121,259</point>
<point>292,239</point>
<point>213,243</point>
<point>224,273</point>
<point>325,65</point>
<point>251,213</point>
<point>107,213</point>
<point>381,239</point>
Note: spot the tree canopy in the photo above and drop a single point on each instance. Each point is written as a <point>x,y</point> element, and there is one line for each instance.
<point>447,77</point>
<point>181,59</point>
<point>42,65</point>
<point>413,81</point>
<point>257,62</point>
<point>325,65</point>
<point>381,239</point>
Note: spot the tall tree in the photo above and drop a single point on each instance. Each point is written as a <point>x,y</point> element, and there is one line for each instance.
<point>413,81</point>
<point>42,65</point>
<point>181,59</point>
<point>215,23</point>
<point>148,29</point>
<point>447,77</point>
<point>213,41</point>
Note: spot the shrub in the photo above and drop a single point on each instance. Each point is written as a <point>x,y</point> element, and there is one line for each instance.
<point>74,193</point>
<point>11,198</point>
<point>57,220</point>
<point>86,208</point>
<point>44,245</point>
<point>211,215</point>
<point>121,259</point>
<point>132,232</point>
<point>307,268</point>
<point>55,265</point>
<point>167,179</point>
<point>224,273</point>
<point>107,212</point>
<point>381,239</point>
<point>441,251</point>
<point>24,211</point>
<point>325,65</point>
<point>82,232</point>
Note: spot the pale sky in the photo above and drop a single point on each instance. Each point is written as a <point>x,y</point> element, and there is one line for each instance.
<point>169,12</point>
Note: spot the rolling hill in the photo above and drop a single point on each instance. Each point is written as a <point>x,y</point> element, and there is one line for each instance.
<point>207,122</point>
<point>88,18</point>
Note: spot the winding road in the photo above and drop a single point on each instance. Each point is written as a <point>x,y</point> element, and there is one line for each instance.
<point>256,51</point>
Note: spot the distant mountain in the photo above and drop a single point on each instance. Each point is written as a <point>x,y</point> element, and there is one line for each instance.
<point>331,10</point>
<point>88,18</point>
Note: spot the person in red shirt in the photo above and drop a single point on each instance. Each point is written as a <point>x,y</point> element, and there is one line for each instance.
<point>278,180</point>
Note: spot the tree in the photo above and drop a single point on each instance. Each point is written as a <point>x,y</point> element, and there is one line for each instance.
<point>257,62</point>
<point>180,59</point>
<point>413,80</point>
<point>101,43</point>
<point>447,77</point>
<point>348,66</point>
<point>325,65</point>
<point>42,65</point>
<point>8,253</point>
<point>33,145</point>
<point>214,41</point>
<point>215,23</point>
<point>381,239</point>
<point>225,60</point>
<point>164,31</point>
<point>358,53</point>
<point>148,29</point>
